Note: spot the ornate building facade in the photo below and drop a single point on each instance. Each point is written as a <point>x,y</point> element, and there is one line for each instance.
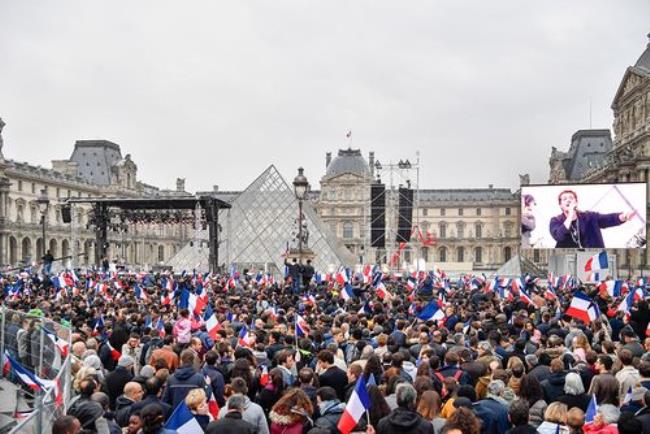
<point>463,229</point>
<point>594,157</point>
<point>95,168</point>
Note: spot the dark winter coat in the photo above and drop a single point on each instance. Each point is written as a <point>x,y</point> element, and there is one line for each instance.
<point>402,420</point>
<point>180,383</point>
<point>493,415</point>
<point>329,418</point>
<point>336,378</point>
<point>232,423</point>
<point>553,386</point>
<point>115,382</point>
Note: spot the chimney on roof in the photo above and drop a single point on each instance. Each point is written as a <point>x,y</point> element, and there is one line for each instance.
<point>215,188</point>
<point>180,184</point>
<point>371,163</point>
<point>490,186</point>
<point>328,159</point>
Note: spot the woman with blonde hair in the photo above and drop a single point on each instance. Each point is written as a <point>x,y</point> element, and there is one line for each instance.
<point>580,347</point>
<point>197,401</point>
<point>291,413</point>
<point>429,408</point>
<point>555,418</point>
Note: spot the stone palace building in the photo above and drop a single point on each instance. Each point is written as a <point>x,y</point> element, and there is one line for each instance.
<point>469,229</point>
<point>95,168</point>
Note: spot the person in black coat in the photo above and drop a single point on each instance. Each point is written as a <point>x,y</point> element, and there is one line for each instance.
<point>232,423</point>
<point>331,376</point>
<point>152,388</point>
<point>307,273</point>
<point>553,386</point>
<point>116,380</point>
<point>404,418</point>
<point>643,415</point>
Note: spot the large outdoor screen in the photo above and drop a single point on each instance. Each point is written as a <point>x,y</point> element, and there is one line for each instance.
<point>586,216</point>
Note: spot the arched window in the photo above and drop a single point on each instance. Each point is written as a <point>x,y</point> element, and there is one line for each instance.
<point>460,254</point>
<point>161,253</point>
<point>507,254</point>
<point>442,230</point>
<point>478,255</point>
<point>348,230</point>
<point>442,254</point>
<point>536,255</point>
<point>478,230</point>
<point>425,254</point>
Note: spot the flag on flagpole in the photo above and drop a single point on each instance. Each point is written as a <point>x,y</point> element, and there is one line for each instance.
<point>431,312</point>
<point>592,409</point>
<point>583,308</point>
<point>597,262</point>
<point>358,404</point>
<point>182,421</point>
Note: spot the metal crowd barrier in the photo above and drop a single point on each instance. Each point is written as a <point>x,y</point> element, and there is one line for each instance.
<point>24,338</point>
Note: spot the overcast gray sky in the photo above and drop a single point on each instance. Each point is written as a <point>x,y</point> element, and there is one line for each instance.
<point>216,91</point>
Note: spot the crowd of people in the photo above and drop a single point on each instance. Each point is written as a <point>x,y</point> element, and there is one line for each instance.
<point>250,354</point>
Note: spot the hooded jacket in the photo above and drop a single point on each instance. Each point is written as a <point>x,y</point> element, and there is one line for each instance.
<point>331,412</point>
<point>180,383</point>
<point>253,414</point>
<point>553,386</point>
<point>402,420</point>
<point>291,423</point>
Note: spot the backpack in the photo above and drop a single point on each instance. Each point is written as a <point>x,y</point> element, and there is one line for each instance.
<point>457,375</point>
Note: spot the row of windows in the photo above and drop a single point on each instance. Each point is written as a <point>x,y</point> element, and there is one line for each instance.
<point>32,186</point>
<point>443,255</point>
<point>478,230</point>
<point>461,211</point>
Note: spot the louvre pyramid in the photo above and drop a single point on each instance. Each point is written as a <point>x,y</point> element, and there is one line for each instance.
<point>256,230</point>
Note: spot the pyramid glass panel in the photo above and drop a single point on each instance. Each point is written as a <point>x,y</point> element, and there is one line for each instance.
<point>258,228</point>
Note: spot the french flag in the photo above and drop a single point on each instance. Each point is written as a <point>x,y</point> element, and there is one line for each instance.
<point>140,293</point>
<point>213,405</point>
<point>431,312</point>
<point>264,377</point>
<point>211,323</point>
<point>114,353</point>
<point>346,292</point>
<point>550,294</point>
<point>302,328</point>
<point>410,284</point>
<point>342,277</point>
<point>382,292</point>
<point>165,299</point>
<point>626,304</point>
<point>523,296</point>
<point>358,404</point>
<point>182,421</point>
<point>597,262</point>
<point>611,287</point>
<point>25,376</point>
<point>592,410</point>
<point>99,323</point>
<point>583,308</point>
<point>244,340</point>
<point>160,326</point>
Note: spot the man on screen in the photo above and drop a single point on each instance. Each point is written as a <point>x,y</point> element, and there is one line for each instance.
<point>581,229</point>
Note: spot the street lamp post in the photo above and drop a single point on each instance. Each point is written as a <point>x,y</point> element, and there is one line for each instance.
<point>43,204</point>
<point>300,188</point>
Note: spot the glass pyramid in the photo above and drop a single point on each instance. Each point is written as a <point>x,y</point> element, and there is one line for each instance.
<point>258,228</point>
